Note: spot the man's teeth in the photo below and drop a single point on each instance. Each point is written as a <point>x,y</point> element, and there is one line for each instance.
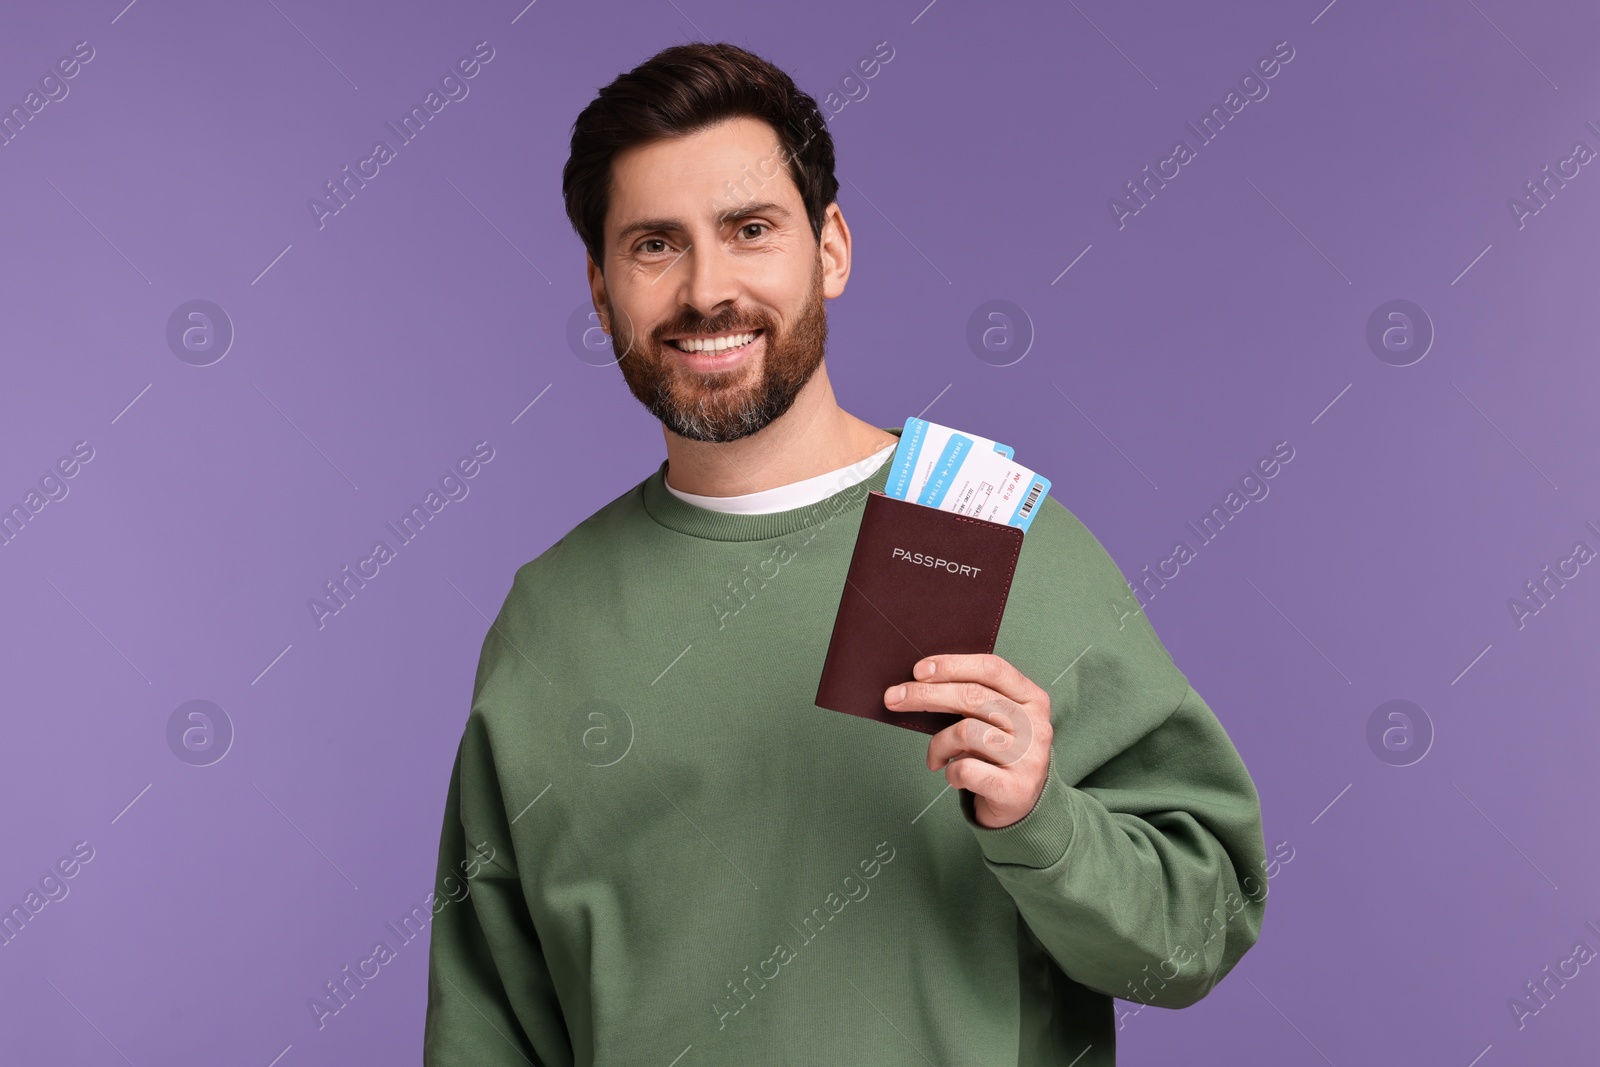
<point>721,344</point>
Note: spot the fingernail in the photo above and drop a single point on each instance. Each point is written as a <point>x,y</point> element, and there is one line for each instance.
<point>897,694</point>
<point>924,669</point>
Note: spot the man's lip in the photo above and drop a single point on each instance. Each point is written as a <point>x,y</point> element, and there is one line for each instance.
<point>710,362</point>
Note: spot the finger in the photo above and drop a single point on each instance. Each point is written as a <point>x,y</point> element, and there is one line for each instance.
<point>983,667</point>
<point>976,776</point>
<point>962,698</point>
<point>974,738</point>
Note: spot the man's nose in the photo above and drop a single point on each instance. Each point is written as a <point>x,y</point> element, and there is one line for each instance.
<point>709,278</point>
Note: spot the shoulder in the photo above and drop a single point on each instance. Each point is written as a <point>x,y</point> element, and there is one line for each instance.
<point>586,545</point>
<point>546,591</point>
<point>1065,572</point>
<point>1065,552</point>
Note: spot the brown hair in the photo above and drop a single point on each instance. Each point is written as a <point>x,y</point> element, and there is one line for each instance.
<point>682,90</point>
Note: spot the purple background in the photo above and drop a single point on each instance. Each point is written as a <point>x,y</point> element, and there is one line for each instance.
<point>1229,314</point>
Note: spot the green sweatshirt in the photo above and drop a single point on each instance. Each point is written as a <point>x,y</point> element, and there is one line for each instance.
<point>664,854</point>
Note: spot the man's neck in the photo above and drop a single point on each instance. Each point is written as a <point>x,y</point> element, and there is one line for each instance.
<point>813,437</point>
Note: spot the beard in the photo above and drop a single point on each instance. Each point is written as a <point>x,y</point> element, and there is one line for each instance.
<point>725,405</point>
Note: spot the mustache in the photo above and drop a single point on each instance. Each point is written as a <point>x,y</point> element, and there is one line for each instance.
<point>679,329</point>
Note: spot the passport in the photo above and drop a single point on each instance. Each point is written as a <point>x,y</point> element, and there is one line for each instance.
<point>921,582</point>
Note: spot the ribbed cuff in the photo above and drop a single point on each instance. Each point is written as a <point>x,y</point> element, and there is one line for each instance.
<point>1040,838</point>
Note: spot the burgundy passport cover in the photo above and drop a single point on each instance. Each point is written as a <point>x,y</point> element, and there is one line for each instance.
<point>921,582</point>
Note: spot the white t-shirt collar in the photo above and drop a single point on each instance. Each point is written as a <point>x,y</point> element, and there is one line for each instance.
<point>795,494</point>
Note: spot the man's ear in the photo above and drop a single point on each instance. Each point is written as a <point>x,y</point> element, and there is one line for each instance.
<point>597,290</point>
<point>834,248</point>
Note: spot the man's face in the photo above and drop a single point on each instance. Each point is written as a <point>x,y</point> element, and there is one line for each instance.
<point>706,238</point>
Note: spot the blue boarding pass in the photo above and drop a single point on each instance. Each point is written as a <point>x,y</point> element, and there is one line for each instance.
<point>987,485</point>
<point>969,476</point>
<point>924,447</point>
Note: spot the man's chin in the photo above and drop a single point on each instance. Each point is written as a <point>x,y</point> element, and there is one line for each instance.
<point>721,405</point>
<point>716,415</point>
<point>698,382</point>
<point>717,424</point>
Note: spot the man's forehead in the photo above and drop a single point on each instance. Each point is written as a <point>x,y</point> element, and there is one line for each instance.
<point>711,174</point>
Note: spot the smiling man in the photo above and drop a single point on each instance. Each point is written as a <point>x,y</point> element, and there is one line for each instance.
<point>691,862</point>
<point>717,306</point>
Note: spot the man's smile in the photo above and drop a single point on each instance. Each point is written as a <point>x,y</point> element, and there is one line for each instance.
<point>701,342</point>
<point>715,352</point>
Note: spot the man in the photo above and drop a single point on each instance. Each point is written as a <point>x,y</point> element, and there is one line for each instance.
<point>675,856</point>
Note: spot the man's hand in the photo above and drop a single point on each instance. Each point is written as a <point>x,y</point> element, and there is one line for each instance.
<point>1000,750</point>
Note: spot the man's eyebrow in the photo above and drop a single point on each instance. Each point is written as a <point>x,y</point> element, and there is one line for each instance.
<point>763,208</point>
<point>743,210</point>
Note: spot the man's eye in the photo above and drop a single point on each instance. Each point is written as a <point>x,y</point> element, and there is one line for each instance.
<point>649,241</point>
<point>761,225</point>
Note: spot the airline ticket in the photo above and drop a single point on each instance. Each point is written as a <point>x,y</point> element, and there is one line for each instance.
<point>986,485</point>
<point>942,468</point>
<point>924,447</point>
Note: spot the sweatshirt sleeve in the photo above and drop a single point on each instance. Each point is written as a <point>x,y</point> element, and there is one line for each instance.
<point>1145,880</point>
<point>491,1000</point>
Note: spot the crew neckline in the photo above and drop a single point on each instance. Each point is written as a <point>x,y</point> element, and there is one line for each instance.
<point>678,514</point>
<point>794,494</point>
